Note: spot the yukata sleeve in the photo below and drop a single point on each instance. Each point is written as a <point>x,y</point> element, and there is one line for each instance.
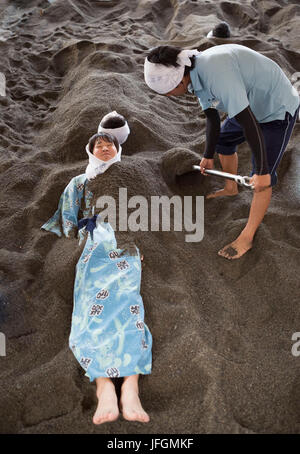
<point>65,219</point>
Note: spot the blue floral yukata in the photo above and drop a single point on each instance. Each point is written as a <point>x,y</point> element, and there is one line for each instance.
<point>108,335</point>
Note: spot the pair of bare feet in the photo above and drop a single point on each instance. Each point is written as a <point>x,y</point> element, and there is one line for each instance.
<point>130,404</point>
<point>243,243</point>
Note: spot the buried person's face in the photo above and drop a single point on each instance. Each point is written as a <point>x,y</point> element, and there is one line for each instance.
<point>104,150</point>
<point>181,88</point>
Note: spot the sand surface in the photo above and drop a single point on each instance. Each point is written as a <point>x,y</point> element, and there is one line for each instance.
<point>222,330</point>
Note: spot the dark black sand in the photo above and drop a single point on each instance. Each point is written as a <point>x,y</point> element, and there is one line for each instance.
<point>222,330</point>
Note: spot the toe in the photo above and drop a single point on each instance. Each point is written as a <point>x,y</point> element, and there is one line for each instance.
<point>222,252</point>
<point>129,416</point>
<point>142,417</point>
<point>146,418</point>
<point>107,417</point>
<point>229,252</point>
<point>97,419</point>
<point>233,252</point>
<point>136,416</point>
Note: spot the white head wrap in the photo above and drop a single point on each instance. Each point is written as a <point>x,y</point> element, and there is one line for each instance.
<point>97,166</point>
<point>120,133</point>
<point>163,79</point>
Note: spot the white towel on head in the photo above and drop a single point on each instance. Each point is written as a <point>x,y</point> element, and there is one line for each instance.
<point>164,79</point>
<point>97,166</point>
<point>120,133</point>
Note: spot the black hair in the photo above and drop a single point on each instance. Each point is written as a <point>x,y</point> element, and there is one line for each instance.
<point>222,30</point>
<point>104,136</point>
<point>167,55</point>
<point>113,121</point>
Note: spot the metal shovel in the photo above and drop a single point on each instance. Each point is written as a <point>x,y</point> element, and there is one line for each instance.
<point>242,181</point>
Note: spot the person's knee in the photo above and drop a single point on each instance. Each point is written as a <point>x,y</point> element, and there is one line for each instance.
<point>223,150</point>
<point>227,157</point>
<point>274,177</point>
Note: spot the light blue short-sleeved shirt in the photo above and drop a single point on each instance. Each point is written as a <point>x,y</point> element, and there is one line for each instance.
<point>231,77</point>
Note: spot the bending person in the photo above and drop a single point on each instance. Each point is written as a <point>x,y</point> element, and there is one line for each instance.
<point>262,108</point>
<point>108,336</point>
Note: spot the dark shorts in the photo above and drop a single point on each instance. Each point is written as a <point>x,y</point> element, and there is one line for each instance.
<point>276,133</point>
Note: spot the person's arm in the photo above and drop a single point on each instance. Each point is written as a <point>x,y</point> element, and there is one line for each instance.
<point>212,137</point>
<point>255,139</point>
<point>212,132</point>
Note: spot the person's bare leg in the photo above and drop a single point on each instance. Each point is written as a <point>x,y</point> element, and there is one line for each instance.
<point>243,243</point>
<point>130,403</point>
<point>229,164</point>
<point>107,409</point>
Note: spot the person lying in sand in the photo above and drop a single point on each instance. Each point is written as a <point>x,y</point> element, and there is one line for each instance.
<point>262,108</point>
<point>108,335</point>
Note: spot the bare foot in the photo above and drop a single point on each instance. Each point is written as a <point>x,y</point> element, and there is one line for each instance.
<point>222,193</point>
<point>107,409</point>
<point>130,404</point>
<point>236,249</point>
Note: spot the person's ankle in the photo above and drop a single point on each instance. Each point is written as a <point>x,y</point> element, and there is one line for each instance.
<point>246,235</point>
<point>102,383</point>
<point>130,385</point>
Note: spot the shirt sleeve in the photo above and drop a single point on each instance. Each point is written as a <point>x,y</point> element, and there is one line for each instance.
<point>228,85</point>
<point>204,104</point>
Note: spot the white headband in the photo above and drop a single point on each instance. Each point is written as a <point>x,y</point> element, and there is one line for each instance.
<point>120,133</point>
<point>163,79</point>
